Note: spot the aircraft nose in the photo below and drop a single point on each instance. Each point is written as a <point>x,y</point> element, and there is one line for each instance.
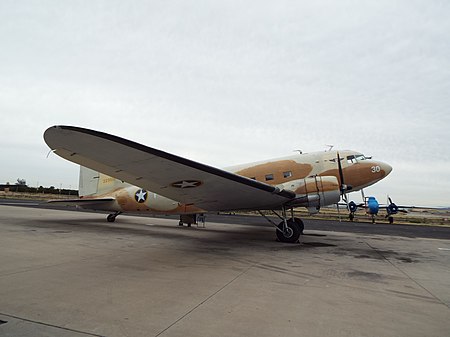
<point>386,168</point>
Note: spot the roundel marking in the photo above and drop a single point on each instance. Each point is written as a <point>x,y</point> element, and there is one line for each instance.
<point>186,184</point>
<point>140,196</point>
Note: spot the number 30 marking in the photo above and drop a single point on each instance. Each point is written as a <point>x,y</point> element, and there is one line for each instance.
<point>375,169</point>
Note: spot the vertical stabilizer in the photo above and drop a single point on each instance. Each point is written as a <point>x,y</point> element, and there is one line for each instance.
<point>88,184</point>
<point>93,183</point>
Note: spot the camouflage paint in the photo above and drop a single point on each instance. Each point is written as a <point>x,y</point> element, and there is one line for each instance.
<point>304,168</point>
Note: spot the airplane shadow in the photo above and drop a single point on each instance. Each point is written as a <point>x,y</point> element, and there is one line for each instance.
<point>192,236</point>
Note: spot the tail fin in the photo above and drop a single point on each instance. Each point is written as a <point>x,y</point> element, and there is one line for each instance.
<point>93,183</point>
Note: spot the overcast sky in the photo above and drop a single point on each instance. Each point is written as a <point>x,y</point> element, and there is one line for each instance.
<point>229,82</point>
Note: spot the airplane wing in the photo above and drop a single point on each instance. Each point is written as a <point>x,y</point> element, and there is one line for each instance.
<point>177,178</point>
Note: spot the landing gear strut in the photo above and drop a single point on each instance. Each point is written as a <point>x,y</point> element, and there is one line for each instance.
<point>288,230</point>
<point>112,217</point>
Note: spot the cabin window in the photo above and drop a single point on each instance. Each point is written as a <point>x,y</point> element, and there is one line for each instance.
<point>269,177</point>
<point>287,174</point>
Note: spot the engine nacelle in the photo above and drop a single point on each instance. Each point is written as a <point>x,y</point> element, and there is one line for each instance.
<point>314,192</point>
<point>392,209</point>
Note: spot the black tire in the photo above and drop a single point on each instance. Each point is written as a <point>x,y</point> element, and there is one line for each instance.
<point>300,224</point>
<point>351,217</point>
<point>391,220</point>
<point>293,235</point>
<point>180,223</point>
<point>111,218</point>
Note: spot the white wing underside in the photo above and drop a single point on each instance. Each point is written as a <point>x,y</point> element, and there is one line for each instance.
<point>174,177</point>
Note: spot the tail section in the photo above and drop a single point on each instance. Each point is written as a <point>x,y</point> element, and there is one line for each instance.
<point>93,183</point>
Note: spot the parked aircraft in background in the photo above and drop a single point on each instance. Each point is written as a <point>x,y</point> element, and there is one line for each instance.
<point>169,184</point>
<point>372,208</point>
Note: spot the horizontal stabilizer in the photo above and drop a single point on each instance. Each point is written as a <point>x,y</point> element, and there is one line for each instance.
<point>86,203</point>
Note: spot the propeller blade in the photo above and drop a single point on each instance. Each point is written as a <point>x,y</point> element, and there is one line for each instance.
<point>341,173</point>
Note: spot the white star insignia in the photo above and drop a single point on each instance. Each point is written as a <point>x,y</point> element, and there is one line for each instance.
<point>187,184</point>
<point>141,196</point>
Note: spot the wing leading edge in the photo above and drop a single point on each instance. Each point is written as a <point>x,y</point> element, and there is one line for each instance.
<point>166,174</point>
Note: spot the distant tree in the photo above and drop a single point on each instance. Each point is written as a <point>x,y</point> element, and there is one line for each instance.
<point>21,182</point>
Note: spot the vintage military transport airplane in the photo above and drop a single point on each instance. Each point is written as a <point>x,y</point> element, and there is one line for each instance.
<point>169,184</point>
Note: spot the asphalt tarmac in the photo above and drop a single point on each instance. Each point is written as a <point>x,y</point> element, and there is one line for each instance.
<point>411,231</point>
<point>70,273</point>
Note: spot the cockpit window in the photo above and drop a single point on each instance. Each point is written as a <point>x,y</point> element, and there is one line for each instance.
<point>355,158</point>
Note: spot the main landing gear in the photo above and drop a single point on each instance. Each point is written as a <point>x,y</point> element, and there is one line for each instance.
<point>112,217</point>
<point>188,219</point>
<point>288,230</point>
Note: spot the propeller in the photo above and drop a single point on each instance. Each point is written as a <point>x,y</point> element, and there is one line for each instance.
<point>341,173</point>
<point>343,187</point>
<point>392,208</point>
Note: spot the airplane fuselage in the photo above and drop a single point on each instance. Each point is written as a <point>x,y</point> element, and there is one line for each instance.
<point>316,178</point>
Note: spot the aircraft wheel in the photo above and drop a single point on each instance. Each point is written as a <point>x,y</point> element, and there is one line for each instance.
<point>300,224</point>
<point>292,234</point>
<point>180,223</point>
<point>111,218</point>
<point>391,220</point>
<point>351,216</point>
